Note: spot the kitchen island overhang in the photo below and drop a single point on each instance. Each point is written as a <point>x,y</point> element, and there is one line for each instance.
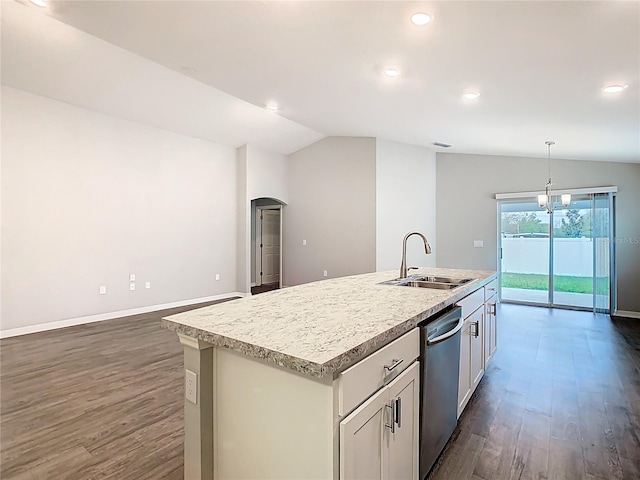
<point>322,328</point>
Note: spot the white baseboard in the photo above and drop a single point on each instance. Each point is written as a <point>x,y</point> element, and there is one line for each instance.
<point>627,314</point>
<point>43,327</point>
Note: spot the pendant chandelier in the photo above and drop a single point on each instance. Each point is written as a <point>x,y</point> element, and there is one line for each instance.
<point>545,201</point>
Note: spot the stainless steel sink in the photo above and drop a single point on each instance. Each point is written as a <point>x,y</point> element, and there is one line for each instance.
<point>421,281</point>
<point>437,285</point>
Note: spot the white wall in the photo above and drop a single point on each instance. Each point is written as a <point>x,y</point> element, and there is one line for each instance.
<point>243,230</point>
<point>405,202</point>
<point>266,174</point>
<point>88,199</point>
<point>261,174</point>
<point>266,179</point>
<point>467,209</point>
<point>332,203</point>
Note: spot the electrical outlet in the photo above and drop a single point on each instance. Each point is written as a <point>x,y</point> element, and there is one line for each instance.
<point>103,289</point>
<point>325,273</point>
<point>304,242</point>
<point>147,285</point>
<point>217,276</point>
<point>478,244</point>
<point>191,386</point>
<point>132,286</point>
<point>132,277</point>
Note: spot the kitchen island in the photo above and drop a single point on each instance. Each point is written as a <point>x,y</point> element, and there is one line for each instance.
<point>278,375</point>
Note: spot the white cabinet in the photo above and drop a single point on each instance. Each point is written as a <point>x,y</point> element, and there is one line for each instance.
<point>476,334</point>
<point>404,441</point>
<point>471,357</point>
<point>357,383</point>
<point>379,440</point>
<point>478,340</point>
<point>361,439</point>
<point>491,330</point>
<point>464,375</point>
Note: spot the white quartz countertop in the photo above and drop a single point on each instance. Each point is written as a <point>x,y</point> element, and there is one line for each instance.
<point>324,327</point>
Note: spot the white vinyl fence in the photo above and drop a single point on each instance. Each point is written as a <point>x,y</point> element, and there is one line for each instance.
<point>572,256</point>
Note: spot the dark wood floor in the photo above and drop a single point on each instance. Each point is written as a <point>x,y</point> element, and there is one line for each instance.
<point>561,400</point>
<point>267,287</point>
<point>103,400</point>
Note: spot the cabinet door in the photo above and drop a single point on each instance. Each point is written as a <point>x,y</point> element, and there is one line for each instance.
<point>361,439</point>
<point>494,326</point>
<point>464,378</point>
<point>404,392</point>
<point>477,347</point>
<point>491,331</point>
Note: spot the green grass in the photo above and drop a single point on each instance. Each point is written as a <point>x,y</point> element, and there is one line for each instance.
<point>561,283</point>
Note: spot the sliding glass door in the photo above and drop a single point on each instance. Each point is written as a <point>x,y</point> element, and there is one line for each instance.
<point>524,246</point>
<point>572,250</point>
<point>563,258</point>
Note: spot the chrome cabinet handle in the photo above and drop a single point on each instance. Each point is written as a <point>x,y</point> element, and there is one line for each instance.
<point>398,404</point>
<point>476,329</point>
<point>492,309</point>
<point>394,363</point>
<point>391,426</point>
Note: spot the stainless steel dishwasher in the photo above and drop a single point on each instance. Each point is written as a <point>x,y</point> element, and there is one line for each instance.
<point>439,369</point>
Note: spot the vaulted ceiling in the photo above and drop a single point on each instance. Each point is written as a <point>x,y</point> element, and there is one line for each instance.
<point>539,67</point>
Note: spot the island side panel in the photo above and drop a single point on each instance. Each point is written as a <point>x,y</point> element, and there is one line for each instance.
<point>271,422</point>
<point>198,417</point>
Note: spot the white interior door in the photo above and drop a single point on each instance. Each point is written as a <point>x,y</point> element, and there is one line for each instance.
<point>270,246</point>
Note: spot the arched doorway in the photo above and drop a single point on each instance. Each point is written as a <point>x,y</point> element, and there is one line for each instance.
<point>266,244</point>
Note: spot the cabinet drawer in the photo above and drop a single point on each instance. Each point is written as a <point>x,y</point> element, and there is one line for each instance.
<point>359,382</point>
<point>472,302</point>
<point>490,289</point>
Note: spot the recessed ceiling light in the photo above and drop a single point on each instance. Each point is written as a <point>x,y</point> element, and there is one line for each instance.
<point>40,3</point>
<point>273,107</point>
<point>421,18</point>
<point>614,88</point>
<point>391,72</point>
<point>471,95</point>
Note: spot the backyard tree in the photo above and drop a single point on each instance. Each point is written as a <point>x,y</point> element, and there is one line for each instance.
<point>573,225</point>
<point>520,222</point>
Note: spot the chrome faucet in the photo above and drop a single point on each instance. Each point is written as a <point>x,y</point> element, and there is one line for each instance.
<point>403,265</point>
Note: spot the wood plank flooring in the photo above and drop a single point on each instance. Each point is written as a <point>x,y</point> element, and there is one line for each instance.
<point>560,400</point>
<point>103,400</point>
<point>267,287</point>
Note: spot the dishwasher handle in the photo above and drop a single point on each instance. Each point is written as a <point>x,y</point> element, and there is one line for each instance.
<point>450,333</point>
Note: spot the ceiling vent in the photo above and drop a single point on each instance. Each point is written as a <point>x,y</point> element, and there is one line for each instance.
<point>440,144</point>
